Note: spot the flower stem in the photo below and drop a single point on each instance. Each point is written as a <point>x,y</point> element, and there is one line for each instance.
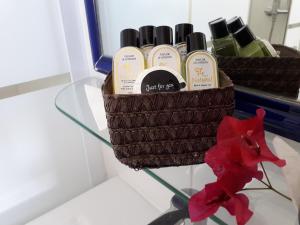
<point>275,190</point>
<point>255,189</point>
<point>269,185</point>
<point>266,175</point>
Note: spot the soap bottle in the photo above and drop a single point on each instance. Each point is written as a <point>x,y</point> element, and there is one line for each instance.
<point>250,46</point>
<point>181,31</point>
<point>146,40</point>
<point>128,62</point>
<point>236,23</point>
<point>201,66</point>
<point>223,42</point>
<point>164,54</point>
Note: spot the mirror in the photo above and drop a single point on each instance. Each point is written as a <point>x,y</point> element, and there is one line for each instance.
<point>275,20</point>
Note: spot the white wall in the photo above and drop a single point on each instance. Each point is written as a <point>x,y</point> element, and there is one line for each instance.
<point>261,23</point>
<point>205,11</point>
<point>43,159</point>
<point>73,18</point>
<point>293,35</point>
<point>116,15</point>
<point>32,43</point>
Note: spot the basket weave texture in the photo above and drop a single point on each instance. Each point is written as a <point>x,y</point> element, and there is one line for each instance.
<point>271,74</point>
<point>165,129</point>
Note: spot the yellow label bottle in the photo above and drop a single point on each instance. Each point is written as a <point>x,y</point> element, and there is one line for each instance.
<point>164,54</point>
<point>146,40</point>
<point>201,66</point>
<point>128,63</point>
<point>181,31</point>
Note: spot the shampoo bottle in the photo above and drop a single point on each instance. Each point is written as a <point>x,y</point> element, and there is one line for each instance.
<point>164,54</point>
<point>201,66</point>
<point>223,42</point>
<point>128,62</point>
<point>236,23</point>
<point>146,40</point>
<point>250,46</point>
<point>181,31</point>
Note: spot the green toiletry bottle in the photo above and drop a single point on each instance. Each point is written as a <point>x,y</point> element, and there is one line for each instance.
<point>223,42</point>
<point>234,24</point>
<point>250,46</point>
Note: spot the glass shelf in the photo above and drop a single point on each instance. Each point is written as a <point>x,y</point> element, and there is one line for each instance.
<point>82,102</point>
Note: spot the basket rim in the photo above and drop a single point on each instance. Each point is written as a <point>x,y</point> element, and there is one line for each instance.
<point>221,73</point>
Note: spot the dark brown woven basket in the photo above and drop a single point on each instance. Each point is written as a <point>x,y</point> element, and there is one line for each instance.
<point>271,74</point>
<point>165,129</point>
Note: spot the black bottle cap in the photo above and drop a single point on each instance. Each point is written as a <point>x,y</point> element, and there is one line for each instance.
<point>195,41</point>
<point>181,31</point>
<point>234,24</point>
<point>218,28</point>
<point>163,35</point>
<point>215,20</point>
<point>146,35</point>
<point>244,36</point>
<point>129,37</point>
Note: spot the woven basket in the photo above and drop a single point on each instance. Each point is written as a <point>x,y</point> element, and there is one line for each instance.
<point>271,74</point>
<point>165,129</point>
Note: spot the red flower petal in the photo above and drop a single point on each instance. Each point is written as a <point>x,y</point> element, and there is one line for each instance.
<point>206,203</point>
<point>238,205</point>
<point>227,163</point>
<point>248,135</point>
<point>231,128</point>
<point>199,207</point>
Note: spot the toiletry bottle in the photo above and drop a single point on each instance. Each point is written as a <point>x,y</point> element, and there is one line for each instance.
<point>181,31</point>
<point>223,43</point>
<point>236,23</point>
<point>201,66</point>
<point>146,40</point>
<point>250,46</point>
<point>164,54</point>
<point>128,62</point>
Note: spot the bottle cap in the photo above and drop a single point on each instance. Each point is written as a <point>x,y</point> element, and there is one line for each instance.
<point>218,28</point>
<point>234,24</point>
<point>244,36</point>
<point>215,20</point>
<point>195,41</point>
<point>146,35</point>
<point>163,35</point>
<point>129,37</point>
<point>181,31</point>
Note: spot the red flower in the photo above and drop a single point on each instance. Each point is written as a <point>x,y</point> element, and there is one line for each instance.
<point>206,203</point>
<point>228,166</point>
<point>249,136</point>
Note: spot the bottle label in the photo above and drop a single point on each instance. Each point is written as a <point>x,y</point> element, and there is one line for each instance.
<point>182,51</point>
<point>164,55</point>
<point>201,71</point>
<point>127,65</point>
<point>270,48</point>
<point>159,79</point>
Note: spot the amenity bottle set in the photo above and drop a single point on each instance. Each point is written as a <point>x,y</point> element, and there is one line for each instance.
<point>151,50</point>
